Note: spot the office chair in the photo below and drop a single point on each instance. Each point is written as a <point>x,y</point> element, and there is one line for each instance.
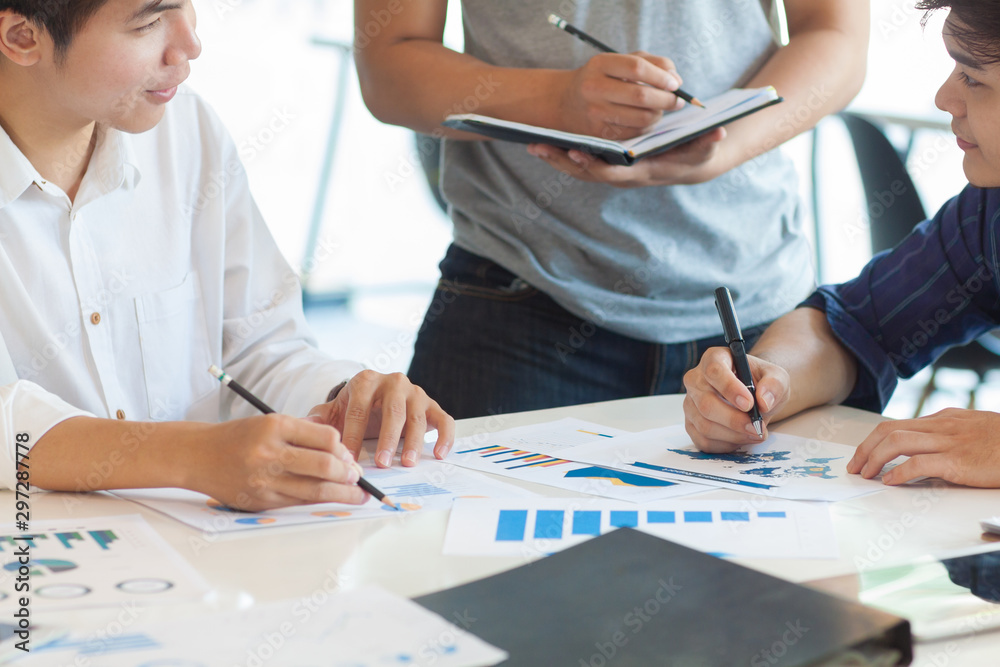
<point>883,170</point>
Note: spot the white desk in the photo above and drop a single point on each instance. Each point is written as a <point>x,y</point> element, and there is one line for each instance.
<point>403,553</point>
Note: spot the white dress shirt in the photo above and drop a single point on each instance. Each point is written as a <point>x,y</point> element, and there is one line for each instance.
<point>115,305</point>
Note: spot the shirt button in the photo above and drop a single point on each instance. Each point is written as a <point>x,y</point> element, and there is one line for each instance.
<point>120,414</point>
<point>95,318</point>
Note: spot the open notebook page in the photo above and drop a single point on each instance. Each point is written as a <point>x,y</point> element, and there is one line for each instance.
<point>689,119</point>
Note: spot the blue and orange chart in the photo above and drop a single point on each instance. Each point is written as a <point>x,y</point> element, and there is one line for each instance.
<point>783,466</point>
<point>535,454</point>
<point>430,485</point>
<point>539,526</point>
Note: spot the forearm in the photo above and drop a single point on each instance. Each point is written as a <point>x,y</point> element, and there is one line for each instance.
<point>398,88</point>
<point>90,454</point>
<point>821,370</point>
<point>817,73</point>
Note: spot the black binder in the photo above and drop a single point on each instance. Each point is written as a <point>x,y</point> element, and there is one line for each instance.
<point>628,598</point>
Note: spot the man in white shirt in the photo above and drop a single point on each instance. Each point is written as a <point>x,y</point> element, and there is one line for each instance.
<point>132,257</point>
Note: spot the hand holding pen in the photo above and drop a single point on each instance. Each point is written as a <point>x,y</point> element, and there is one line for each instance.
<point>620,96</point>
<point>568,27</point>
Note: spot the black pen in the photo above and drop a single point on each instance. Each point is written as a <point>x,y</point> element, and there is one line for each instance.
<point>563,24</point>
<point>734,339</point>
<point>224,378</point>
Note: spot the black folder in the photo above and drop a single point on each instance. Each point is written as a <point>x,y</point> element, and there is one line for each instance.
<point>628,598</point>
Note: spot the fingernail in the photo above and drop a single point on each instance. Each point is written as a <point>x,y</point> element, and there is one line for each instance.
<point>672,82</point>
<point>347,457</point>
<point>743,403</point>
<point>767,398</point>
<point>577,158</point>
<point>410,458</point>
<point>751,430</point>
<point>352,475</point>
<point>384,458</point>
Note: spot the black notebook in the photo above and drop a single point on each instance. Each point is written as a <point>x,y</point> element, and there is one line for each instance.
<point>628,598</point>
<point>675,128</point>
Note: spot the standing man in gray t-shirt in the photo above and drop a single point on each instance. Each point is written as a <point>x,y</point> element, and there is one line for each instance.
<point>571,280</point>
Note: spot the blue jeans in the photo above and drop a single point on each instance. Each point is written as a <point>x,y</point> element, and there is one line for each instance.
<point>491,343</point>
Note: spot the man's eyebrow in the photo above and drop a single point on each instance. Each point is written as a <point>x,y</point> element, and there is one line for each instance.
<point>150,8</point>
<point>965,59</point>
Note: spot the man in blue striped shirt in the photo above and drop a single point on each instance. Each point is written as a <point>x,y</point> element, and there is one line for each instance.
<point>848,343</point>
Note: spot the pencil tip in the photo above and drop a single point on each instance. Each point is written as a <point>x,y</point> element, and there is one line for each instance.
<point>556,20</point>
<point>696,101</point>
<point>760,431</point>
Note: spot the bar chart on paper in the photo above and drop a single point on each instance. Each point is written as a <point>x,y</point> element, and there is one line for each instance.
<point>540,526</point>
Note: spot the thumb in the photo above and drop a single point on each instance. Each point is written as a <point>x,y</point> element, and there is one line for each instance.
<point>772,385</point>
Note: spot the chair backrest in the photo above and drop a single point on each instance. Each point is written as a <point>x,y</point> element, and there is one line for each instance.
<point>893,204</point>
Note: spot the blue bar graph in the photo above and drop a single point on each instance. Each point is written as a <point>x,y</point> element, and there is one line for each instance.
<point>510,527</point>
<point>586,523</point>
<point>549,524</point>
<point>103,537</point>
<point>68,538</point>
<point>620,519</point>
<point>519,525</point>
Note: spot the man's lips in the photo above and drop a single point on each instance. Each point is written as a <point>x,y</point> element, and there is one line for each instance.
<point>962,143</point>
<point>965,145</point>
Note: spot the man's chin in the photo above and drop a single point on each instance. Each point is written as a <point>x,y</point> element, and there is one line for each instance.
<point>137,123</point>
<point>980,175</point>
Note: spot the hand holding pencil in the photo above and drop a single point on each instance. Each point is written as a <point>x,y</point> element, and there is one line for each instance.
<point>354,470</point>
<point>568,27</point>
<point>616,95</point>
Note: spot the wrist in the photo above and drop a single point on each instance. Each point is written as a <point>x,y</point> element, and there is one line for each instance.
<point>191,458</point>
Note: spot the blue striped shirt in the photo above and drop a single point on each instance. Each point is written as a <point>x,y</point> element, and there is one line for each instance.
<point>938,288</point>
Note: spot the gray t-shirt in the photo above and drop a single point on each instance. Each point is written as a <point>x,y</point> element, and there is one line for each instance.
<point>642,262</point>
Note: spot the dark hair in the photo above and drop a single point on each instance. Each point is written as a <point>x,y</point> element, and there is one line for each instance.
<point>979,33</point>
<point>62,19</point>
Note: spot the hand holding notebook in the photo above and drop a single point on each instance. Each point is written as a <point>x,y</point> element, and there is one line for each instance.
<point>676,128</point>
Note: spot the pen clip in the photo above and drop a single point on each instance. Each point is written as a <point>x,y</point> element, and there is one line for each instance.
<point>727,313</point>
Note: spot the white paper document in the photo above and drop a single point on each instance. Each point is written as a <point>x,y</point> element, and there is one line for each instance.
<point>783,466</point>
<point>751,528</point>
<point>94,562</point>
<point>430,485</point>
<point>364,627</point>
<point>538,454</point>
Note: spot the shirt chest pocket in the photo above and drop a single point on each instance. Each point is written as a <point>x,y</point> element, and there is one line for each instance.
<point>176,351</point>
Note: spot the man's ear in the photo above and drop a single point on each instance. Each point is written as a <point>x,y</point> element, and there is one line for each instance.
<point>20,39</point>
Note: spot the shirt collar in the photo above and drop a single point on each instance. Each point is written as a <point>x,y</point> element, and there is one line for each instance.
<point>113,164</point>
<point>16,172</point>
